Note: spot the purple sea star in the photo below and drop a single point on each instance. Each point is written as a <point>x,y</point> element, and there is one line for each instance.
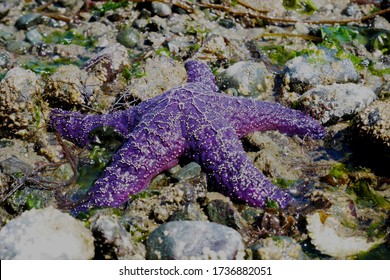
<point>192,121</point>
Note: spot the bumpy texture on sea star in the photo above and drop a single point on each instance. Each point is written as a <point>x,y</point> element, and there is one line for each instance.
<point>193,121</point>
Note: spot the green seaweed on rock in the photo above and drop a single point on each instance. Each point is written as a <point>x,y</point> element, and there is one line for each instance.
<point>49,67</point>
<point>301,6</point>
<point>68,37</point>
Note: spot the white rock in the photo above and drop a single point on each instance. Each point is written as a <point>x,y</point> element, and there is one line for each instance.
<point>45,234</point>
<point>334,239</point>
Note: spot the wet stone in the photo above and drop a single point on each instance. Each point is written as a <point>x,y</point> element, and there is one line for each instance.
<point>161,9</point>
<point>19,47</point>
<point>187,172</point>
<point>129,37</point>
<point>183,240</point>
<point>29,20</point>
<point>5,59</point>
<point>227,23</point>
<point>223,213</point>
<point>34,37</point>
<point>4,9</point>
<point>190,212</point>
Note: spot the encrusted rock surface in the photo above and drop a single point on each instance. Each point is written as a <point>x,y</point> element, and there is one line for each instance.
<point>45,234</point>
<point>332,102</point>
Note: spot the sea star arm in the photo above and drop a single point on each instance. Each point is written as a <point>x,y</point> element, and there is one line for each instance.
<point>145,154</point>
<point>248,115</point>
<point>76,127</point>
<point>199,72</point>
<point>220,153</point>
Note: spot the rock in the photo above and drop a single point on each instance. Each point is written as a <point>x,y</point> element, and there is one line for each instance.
<point>34,37</point>
<point>277,248</point>
<point>322,68</point>
<point>333,238</point>
<point>183,240</point>
<point>332,102</point>
<point>223,212</point>
<point>108,63</point>
<point>19,112</point>
<point>161,74</point>
<point>374,122</point>
<point>5,59</point>
<point>190,212</point>
<point>4,9</point>
<point>275,7</point>
<point>13,166</point>
<point>17,46</point>
<point>247,78</point>
<point>114,242</point>
<point>187,172</point>
<point>129,37</point>
<point>28,20</point>
<point>227,23</point>
<point>161,9</point>
<point>71,86</point>
<point>45,234</point>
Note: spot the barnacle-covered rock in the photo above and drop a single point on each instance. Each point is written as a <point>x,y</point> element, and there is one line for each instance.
<point>374,122</point>
<point>333,238</point>
<point>20,105</point>
<point>329,103</point>
<point>71,86</point>
<point>108,63</point>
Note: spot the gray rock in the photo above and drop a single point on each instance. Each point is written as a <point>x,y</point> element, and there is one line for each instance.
<point>161,9</point>
<point>129,37</point>
<point>186,172</point>
<point>28,20</point>
<point>17,46</point>
<point>45,234</point>
<point>4,9</point>
<point>332,102</point>
<point>34,37</point>
<point>223,212</point>
<point>114,242</point>
<point>322,68</point>
<point>183,240</point>
<point>5,59</point>
<point>6,35</point>
<point>190,212</point>
<point>277,248</point>
<point>247,78</point>
<point>14,166</point>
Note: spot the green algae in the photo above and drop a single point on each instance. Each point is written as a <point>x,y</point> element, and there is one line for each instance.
<point>301,6</point>
<point>101,10</point>
<point>371,38</point>
<point>367,196</point>
<point>49,67</point>
<point>133,71</point>
<point>68,37</point>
